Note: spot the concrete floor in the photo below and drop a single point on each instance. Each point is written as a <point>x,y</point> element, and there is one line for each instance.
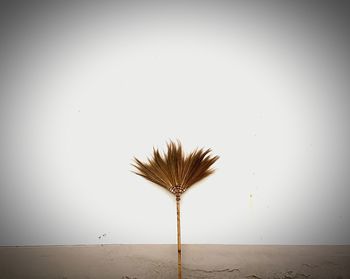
<point>159,261</point>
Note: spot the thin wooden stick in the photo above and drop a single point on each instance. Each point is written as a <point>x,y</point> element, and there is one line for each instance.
<point>179,269</point>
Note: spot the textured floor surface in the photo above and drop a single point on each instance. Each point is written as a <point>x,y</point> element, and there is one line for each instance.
<point>159,261</point>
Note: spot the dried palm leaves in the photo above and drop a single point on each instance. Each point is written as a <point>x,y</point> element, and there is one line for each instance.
<point>175,171</point>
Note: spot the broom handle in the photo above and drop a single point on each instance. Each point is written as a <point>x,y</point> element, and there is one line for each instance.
<point>179,273</point>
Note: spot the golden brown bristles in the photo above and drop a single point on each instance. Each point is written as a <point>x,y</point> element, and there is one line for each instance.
<point>175,171</point>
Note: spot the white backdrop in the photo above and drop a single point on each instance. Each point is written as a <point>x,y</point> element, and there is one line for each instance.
<point>87,87</point>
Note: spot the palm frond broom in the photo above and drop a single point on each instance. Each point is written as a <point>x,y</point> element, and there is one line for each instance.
<point>176,172</point>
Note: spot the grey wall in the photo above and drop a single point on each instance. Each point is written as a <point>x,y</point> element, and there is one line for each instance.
<point>85,87</point>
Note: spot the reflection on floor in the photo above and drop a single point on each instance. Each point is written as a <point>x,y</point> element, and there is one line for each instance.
<point>159,261</point>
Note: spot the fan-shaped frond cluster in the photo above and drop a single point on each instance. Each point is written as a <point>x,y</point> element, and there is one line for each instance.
<point>175,171</point>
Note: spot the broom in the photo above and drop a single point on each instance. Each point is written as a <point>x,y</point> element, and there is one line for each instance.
<point>176,172</point>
